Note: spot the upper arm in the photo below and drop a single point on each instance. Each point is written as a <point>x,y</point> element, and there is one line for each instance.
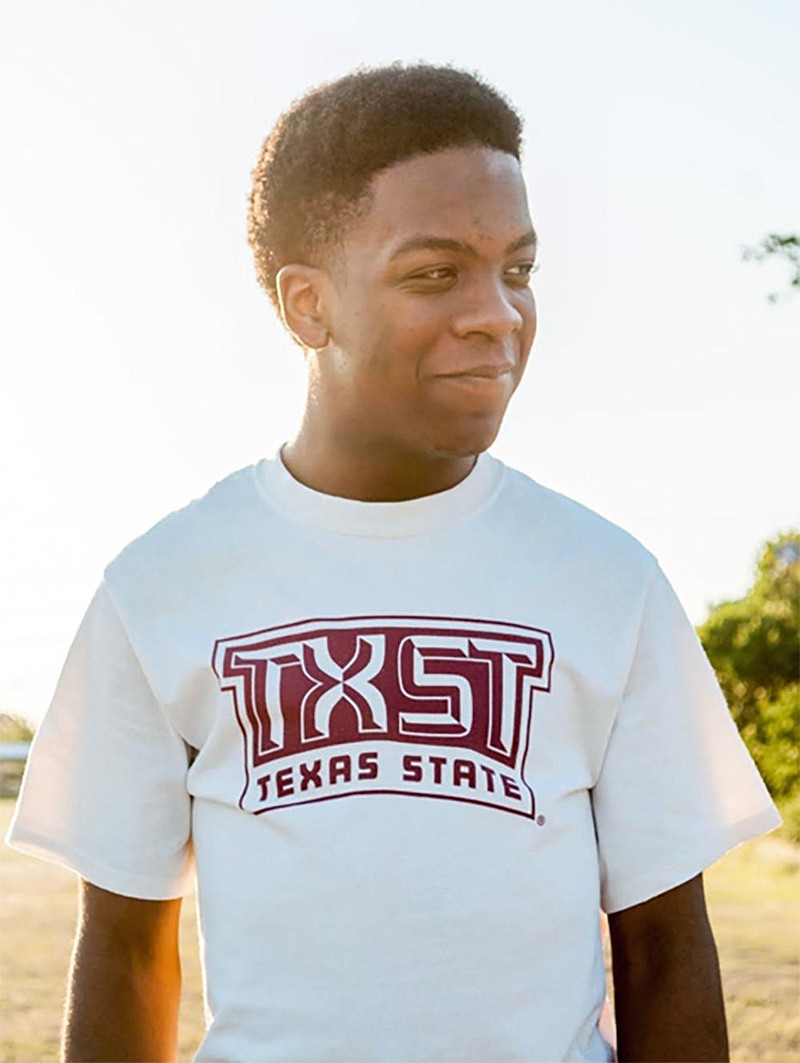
<point>667,991</point>
<point>664,937</point>
<point>124,989</point>
<point>676,787</point>
<point>105,789</point>
<point>668,916</point>
<point>672,927</point>
<point>127,927</point>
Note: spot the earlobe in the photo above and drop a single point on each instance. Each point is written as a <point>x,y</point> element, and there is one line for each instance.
<point>300,295</point>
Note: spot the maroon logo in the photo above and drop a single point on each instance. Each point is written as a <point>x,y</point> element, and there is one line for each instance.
<point>423,706</point>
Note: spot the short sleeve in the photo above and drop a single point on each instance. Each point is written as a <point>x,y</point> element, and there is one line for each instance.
<point>677,787</point>
<point>104,791</point>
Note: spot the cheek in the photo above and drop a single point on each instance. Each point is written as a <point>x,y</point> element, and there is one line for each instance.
<point>530,325</point>
<point>397,342</point>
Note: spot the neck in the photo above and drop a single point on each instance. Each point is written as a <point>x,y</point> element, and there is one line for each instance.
<point>367,473</point>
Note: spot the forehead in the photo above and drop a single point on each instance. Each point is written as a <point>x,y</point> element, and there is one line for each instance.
<point>462,193</point>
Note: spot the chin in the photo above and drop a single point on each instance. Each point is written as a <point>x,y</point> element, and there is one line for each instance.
<point>467,441</point>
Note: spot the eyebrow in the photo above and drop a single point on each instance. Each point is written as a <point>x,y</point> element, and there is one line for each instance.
<point>443,243</point>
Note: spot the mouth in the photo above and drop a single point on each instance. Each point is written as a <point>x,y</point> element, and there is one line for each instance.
<point>478,388</point>
<point>478,373</point>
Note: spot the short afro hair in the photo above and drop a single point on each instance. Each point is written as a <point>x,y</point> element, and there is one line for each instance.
<point>316,165</point>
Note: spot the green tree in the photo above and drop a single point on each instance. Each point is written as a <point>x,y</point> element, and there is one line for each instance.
<point>781,245</point>
<point>754,647</point>
<point>14,728</point>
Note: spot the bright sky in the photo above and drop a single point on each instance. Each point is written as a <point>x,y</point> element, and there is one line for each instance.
<point>141,362</point>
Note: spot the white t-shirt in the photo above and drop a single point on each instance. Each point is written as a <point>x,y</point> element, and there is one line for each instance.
<point>410,747</point>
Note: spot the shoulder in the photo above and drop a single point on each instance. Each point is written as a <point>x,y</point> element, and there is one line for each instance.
<point>569,531</point>
<point>191,537</point>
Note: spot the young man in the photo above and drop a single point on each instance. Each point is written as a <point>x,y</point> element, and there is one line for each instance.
<point>412,717</point>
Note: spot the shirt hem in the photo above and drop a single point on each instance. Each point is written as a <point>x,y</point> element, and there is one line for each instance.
<point>657,882</point>
<point>113,880</point>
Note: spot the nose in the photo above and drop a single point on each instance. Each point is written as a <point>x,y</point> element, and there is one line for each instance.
<point>487,310</point>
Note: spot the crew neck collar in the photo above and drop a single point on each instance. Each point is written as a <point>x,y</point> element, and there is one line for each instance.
<point>417,516</point>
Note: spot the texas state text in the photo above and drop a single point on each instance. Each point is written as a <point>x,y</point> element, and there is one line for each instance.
<point>431,706</point>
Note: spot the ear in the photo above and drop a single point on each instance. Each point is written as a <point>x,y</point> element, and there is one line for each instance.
<point>301,297</point>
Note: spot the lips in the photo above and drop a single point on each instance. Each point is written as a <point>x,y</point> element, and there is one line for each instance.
<point>480,372</point>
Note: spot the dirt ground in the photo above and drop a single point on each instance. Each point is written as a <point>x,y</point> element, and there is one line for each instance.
<point>753,894</point>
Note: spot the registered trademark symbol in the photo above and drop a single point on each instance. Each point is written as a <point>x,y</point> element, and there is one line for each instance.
<point>540,821</point>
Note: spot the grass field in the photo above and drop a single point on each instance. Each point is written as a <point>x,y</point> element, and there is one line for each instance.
<point>754,899</point>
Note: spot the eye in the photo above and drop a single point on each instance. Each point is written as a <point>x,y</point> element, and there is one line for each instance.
<point>433,280</point>
<point>522,272</point>
<point>435,273</point>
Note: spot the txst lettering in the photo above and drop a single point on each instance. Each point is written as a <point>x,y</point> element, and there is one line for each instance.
<point>445,706</point>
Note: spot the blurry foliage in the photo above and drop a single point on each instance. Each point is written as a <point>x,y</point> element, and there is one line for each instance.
<point>14,728</point>
<point>785,246</point>
<point>754,646</point>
